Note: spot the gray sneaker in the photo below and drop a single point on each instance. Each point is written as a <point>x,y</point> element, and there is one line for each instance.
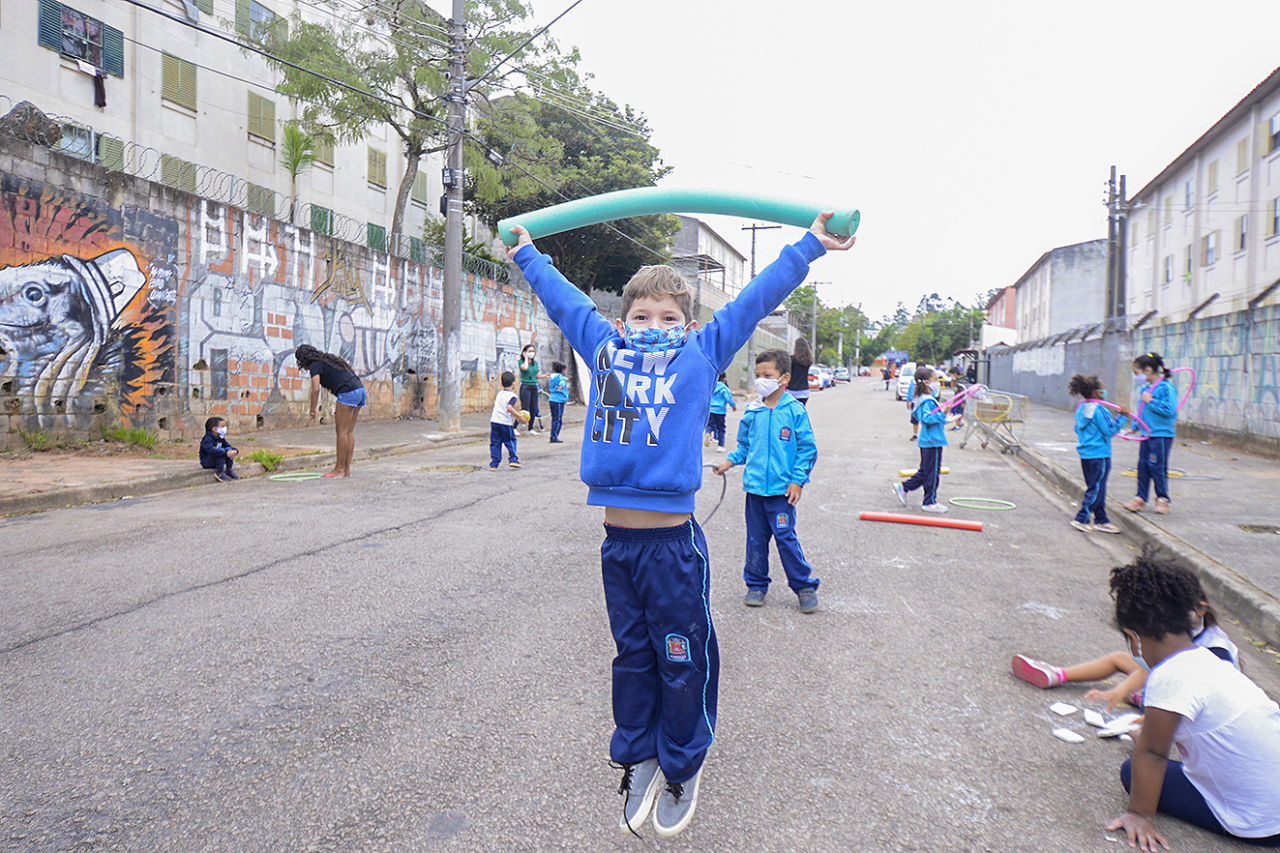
<point>755,598</point>
<point>640,785</point>
<point>675,806</point>
<point>808,599</point>
<point>899,491</point>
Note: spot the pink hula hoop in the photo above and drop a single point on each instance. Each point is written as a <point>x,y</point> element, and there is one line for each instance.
<point>1135,417</point>
<point>961,397</point>
<point>1186,395</point>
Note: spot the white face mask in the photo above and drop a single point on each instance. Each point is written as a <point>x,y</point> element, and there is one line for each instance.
<point>1197,625</point>
<point>221,431</point>
<point>766,386</point>
<point>935,387</point>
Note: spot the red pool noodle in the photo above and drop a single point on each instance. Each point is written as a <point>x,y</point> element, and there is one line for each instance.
<point>924,520</point>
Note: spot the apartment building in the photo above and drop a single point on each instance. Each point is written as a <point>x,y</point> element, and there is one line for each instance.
<point>1204,234</point>
<point>1065,288</point>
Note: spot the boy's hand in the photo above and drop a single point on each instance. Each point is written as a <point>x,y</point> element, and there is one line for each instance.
<point>723,466</point>
<point>793,493</point>
<point>524,240</point>
<point>232,453</point>
<point>819,230</point>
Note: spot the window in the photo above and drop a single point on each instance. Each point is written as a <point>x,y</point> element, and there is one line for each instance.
<point>76,141</point>
<point>1151,220</point>
<point>1273,130</point>
<point>260,200</point>
<point>1211,179</point>
<point>378,168</point>
<point>1168,269</point>
<point>417,250</point>
<point>1188,261</point>
<point>1242,156</point>
<point>323,146</point>
<point>177,81</point>
<point>1273,227</point>
<point>1209,249</point>
<point>377,237</point>
<point>419,191</point>
<point>1242,233</point>
<point>258,22</point>
<point>1168,210</point>
<point>1189,195</point>
<point>75,35</point>
<point>321,219</point>
<point>1133,235</point>
<point>177,173</point>
<point>262,117</point>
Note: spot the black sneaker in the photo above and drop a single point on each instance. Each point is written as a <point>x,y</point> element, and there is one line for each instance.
<point>221,477</point>
<point>675,806</point>
<point>808,599</point>
<point>754,598</point>
<point>233,475</point>
<point>640,785</point>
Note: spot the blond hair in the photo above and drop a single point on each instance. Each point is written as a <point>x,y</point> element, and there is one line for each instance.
<point>655,282</point>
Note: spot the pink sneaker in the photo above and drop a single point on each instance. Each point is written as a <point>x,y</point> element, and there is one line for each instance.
<point>1037,672</point>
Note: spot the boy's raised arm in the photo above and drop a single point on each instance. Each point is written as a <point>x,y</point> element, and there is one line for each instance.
<point>567,306</point>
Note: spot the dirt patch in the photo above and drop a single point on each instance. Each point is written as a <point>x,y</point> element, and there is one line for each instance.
<point>174,450</point>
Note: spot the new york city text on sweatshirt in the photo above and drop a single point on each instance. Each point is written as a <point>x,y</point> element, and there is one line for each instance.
<point>642,444</point>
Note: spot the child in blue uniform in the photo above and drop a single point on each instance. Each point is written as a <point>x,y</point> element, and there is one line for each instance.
<point>1094,429</point>
<point>721,402</point>
<point>775,441</point>
<point>216,453</point>
<point>558,395</point>
<point>1159,411</point>
<point>933,437</point>
<point>653,371</point>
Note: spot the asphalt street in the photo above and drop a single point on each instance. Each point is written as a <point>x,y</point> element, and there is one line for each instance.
<point>418,659</point>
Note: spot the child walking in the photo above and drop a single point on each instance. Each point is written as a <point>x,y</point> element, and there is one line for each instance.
<point>1226,730</point>
<point>1095,428</point>
<point>216,453</point>
<point>721,402</point>
<point>529,377</point>
<point>557,395</point>
<point>653,371</point>
<point>1159,410</point>
<point>775,442</point>
<point>933,437</point>
<point>502,420</point>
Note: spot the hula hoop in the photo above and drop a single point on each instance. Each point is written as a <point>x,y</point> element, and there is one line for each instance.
<point>1008,407</point>
<point>1171,473</point>
<point>724,488</point>
<point>994,504</point>
<point>646,201</point>
<point>1136,419</point>
<point>1186,395</point>
<point>962,396</point>
<point>296,476</point>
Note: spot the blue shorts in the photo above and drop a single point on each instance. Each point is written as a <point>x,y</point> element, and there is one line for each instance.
<point>355,398</point>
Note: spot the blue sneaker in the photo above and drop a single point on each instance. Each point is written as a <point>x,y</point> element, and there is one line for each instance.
<point>675,806</point>
<point>808,599</point>
<point>755,598</point>
<point>640,785</point>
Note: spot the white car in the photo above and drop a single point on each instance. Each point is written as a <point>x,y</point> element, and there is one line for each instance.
<point>906,379</point>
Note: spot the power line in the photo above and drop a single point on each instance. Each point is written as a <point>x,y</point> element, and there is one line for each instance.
<point>471,84</point>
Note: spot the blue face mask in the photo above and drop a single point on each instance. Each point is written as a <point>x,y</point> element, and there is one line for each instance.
<point>1137,656</point>
<point>1102,394</point>
<point>655,340</point>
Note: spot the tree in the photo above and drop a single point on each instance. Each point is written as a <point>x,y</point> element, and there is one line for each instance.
<point>397,51</point>
<point>552,153</point>
<point>297,152</point>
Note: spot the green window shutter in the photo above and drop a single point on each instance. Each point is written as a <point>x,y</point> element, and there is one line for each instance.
<point>417,251</point>
<point>279,29</point>
<point>205,6</point>
<point>321,219</point>
<point>262,117</point>
<point>50,34</point>
<point>112,51</point>
<point>177,81</point>
<point>111,152</point>
<point>377,168</point>
<point>243,20</point>
<point>377,237</point>
<point>1264,138</point>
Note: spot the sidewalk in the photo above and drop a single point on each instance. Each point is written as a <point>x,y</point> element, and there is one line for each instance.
<point>1225,511</point>
<point>44,481</point>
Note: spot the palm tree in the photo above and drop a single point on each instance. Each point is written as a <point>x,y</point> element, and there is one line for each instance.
<point>297,152</point>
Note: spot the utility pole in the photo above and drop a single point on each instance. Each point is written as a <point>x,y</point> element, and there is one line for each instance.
<point>813,318</point>
<point>857,345</point>
<point>1118,208</point>
<point>751,341</point>
<point>450,371</point>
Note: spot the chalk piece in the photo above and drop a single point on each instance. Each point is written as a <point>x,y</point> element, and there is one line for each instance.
<point>1126,739</point>
<point>1062,709</point>
<point>1093,718</point>
<point>1120,725</point>
<point>1067,735</point>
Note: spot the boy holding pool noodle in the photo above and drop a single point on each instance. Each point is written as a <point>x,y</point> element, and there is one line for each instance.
<point>653,371</point>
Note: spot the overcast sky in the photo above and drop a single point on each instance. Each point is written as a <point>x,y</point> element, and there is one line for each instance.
<point>973,136</point>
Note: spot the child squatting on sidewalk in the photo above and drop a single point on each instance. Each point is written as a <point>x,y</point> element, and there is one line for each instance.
<point>653,371</point>
<point>775,441</point>
<point>216,453</point>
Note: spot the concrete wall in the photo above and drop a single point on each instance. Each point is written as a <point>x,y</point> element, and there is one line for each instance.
<point>1041,372</point>
<point>1064,289</point>
<point>125,301</point>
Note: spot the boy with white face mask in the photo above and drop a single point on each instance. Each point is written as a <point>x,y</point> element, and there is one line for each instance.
<point>216,453</point>
<point>775,441</point>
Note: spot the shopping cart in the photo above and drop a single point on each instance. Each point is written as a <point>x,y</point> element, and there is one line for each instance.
<point>995,414</point>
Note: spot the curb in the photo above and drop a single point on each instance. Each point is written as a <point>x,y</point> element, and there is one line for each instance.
<point>1258,610</point>
<point>79,495</point>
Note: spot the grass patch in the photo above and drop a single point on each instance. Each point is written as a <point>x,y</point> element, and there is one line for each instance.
<point>133,436</point>
<point>266,459</point>
<point>40,441</point>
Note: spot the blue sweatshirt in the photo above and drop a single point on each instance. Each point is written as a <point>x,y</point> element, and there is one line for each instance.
<point>721,399</point>
<point>642,446</point>
<point>212,449</point>
<point>1161,413</point>
<point>1095,428</point>
<point>776,445</point>
<point>557,388</point>
<point>933,422</point>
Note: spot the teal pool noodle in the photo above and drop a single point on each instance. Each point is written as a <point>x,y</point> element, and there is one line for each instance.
<point>647,201</point>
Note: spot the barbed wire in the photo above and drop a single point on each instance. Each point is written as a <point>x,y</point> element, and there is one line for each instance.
<point>27,122</point>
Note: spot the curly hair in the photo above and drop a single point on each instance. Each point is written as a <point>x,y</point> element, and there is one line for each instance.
<point>1154,596</point>
<point>1153,361</point>
<point>305,354</point>
<point>1084,386</point>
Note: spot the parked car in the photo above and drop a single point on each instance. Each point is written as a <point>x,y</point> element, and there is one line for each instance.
<point>828,377</point>
<point>906,378</point>
<point>842,374</point>
<point>815,380</point>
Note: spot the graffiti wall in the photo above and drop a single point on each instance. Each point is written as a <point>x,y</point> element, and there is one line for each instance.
<point>161,308</point>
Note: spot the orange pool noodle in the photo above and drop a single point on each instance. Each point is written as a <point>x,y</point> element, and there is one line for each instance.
<point>924,520</point>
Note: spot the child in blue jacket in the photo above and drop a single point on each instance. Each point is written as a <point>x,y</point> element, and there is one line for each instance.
<point>558,395</point>
<point>775,441</point>
<point>652,373</point>
<point>933,437</point>
<point>1095,428</point>
<point>1159,411</point>
<point>216,453</point>
<point>721,402</point>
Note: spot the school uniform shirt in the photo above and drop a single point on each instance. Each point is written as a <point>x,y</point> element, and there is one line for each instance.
<point>646,413</point>
<point>775,445</point>
<point>1161,413</point>
<point>212,448</point>
<point>933,421</point>
<point>334,379</point>
<point>1094,430</point>
<point>1229,738</point>
<point>1215,639</point>
<point>557,388</point>
<point>500,415</point>
<point>721,399</point>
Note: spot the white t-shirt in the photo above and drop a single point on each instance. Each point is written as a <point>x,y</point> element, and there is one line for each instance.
<point>500,414</point>
<point>1213,637</point>
<point>1229,738</point>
